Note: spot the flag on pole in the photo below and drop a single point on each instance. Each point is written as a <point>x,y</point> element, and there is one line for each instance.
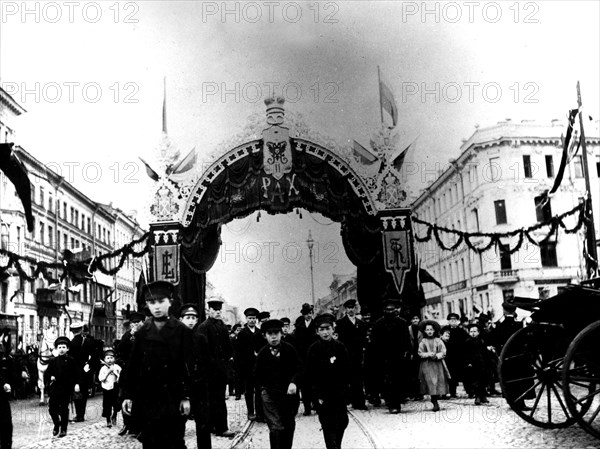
<point>184,165</point>
<point>149,171</point>
<point>387,101</point>
<point>565,156</point>
<point>363,153</point>
<point>399,159</point>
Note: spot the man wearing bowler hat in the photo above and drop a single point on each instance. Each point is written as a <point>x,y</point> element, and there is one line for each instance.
<point>327,372</point>
<point>353,333</point>
<point>277,374</point>
<point>246,351</point>
<point>221,353</point>
<point>305,335</point>
<point>157,382</point>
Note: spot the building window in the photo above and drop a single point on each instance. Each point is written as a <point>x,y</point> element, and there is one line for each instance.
<point>19,249</point>
<point>549,166</point>
<point>66,241</point>
<point>4,238</point>
<point>50,203</point>
<point>58,239</point>
<point>475,214</point>
<point>543,210</point>
<point>548,254</point>
<point>50,236</point>
<point>527,166</point>
<point>89,222</point>
<point>598,166</point>
<point>42,230</point>
<point>578,167</point>
<point>64,211</point>
<point>108,236</point>
<point>505,262</point>
<point>72,243</point>
<point>72,215</point>
<point>500,208</point>
<point>42,198</point>
<point>32,193</point>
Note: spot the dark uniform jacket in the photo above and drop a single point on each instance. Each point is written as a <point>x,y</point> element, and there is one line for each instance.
<point>158,374</point>
<point>327,371</point>
<point>67,374</point>
<point>245,349</point>
<point>276,373</point>
<point>219,345</point>
<point>83,350</point>
<point>390,342</point>
<point>124,350</point>
<point>354,336</point>
<point>502,331</point>
<point>305,336</point>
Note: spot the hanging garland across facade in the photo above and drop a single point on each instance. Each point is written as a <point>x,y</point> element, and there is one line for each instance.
<point>68,267</point>
<point>494,237</point>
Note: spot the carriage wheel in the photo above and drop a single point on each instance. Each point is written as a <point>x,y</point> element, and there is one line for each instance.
<point>581,379</point>
<point>530,369</point>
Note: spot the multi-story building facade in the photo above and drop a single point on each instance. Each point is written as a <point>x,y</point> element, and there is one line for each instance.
<point>342,288</point>
<point>496,185</point>
<point>64,219</point>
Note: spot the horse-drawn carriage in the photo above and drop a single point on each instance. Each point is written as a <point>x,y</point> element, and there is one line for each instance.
<point>555,360</point>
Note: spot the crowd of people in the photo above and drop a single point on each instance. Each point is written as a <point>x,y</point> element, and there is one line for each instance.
<point>169,368</point>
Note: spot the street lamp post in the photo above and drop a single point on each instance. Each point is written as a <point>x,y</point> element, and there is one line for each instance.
<point>311,243</point>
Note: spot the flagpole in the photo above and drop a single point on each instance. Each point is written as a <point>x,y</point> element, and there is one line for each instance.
<point>379,87</point>
<point>591,231</point>
<point>164,111</point>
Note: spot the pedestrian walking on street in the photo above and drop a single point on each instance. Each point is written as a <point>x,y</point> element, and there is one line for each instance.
<point>109,382</point>
<point>277,373</point>
<point>475,363</point>
<point>83,350</point>
<point>188,315</point>
<point>327,372</point>
<point>391,345</point>
<point>433,372</point>
<point>7,379</point>
<point>62,379</point>
<point>455,353</point>
<point>305,335</point>
<point>245,356</point>
<point>352,332</point>
<point>157,381</point>
<point>221,353</point>
<point>131,424</point>
<point>416,335</point>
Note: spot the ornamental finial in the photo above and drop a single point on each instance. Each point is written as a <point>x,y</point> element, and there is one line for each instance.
<point>275,110</point>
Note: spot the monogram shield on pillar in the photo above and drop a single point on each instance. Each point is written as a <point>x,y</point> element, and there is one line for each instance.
<point>277,152</point>
<point>397,244</point>
<point>166,263</point>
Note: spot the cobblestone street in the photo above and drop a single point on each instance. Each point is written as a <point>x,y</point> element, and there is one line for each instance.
<point>458,424</point>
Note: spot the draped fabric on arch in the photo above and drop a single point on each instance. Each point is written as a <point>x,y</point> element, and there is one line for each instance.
<point>313,184</point>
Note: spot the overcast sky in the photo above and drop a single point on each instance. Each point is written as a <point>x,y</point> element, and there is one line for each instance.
<point>94,76</point>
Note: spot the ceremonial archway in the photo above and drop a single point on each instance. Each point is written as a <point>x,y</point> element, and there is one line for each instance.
<point>277,174</point>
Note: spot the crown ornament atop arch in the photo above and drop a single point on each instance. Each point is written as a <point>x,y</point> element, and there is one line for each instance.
<point>376,183</point>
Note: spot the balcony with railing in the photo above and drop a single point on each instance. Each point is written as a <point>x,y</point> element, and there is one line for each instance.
<point>506,276</point>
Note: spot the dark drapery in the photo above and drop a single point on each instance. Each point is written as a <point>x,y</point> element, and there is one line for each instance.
<point>313,184</point>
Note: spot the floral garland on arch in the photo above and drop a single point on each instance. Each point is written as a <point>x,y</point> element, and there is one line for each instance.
<point>76,268</point>
<point>552,224</point>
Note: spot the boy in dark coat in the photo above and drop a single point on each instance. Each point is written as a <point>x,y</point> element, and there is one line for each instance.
<point>475,364</point>
<point>277,373</point>
<point>157,379</point>
<point>245,357</point>
<point>304,333</point>
<point>62,379</point>
<point>327,372</point>
<point>455,353</point>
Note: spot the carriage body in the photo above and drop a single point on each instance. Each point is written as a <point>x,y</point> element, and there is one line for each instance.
<point>555,361</point>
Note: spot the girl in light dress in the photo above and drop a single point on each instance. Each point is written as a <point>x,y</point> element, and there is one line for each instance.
<point>433,373</point>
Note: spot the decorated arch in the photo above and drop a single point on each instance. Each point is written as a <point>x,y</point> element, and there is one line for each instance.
<point>276,173</point>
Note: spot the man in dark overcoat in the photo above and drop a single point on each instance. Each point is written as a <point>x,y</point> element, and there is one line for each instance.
<point>352,331</point>
<point>83,350</point>
<point>136,319</point>
<point>391,344</point>
<point>305,335</point>
<point>157,382</point>
<point>245,357</point>
<point>221,353</point>
<point>455,354</point>
<point>327,372</point>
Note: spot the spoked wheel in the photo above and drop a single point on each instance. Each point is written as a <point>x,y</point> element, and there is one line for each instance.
<point>530,371</point>
<point>581,379</point>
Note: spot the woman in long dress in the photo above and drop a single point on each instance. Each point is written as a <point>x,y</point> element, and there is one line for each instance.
<point>432,372</point>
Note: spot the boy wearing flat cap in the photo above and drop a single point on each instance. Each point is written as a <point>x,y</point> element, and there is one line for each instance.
<point>62,379</point>
<point>245,356</point>
<point>455,350</point>
<point>305,335</point>
<point>277,373</point>
<point>157,380</point>
<point>327,371</point>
